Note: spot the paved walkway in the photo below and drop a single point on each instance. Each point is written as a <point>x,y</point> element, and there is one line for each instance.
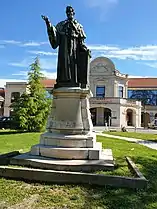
<point>150,144</point>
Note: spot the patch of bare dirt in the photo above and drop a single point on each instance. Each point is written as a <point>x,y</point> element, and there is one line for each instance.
<point>26,203</point>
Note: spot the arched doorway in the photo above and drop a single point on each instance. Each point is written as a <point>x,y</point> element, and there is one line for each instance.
<point>142,119</point>
<point>107,116</point>
<point>93,115</point>
<point>129,117</point>
<point>145,119</point>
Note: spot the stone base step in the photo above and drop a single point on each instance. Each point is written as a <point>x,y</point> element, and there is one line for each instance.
<point>106,162</point>
<point>63,140</point>
<point>67,153</point>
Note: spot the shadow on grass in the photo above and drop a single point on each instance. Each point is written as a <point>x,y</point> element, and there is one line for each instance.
<point>154,140</point>
<point>119,198</point>
<point>8,132</point>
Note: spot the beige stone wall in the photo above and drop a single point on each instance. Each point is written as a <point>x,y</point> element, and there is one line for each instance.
<point>136,114</point>
<point>103,73</point>
<point>12,87</point>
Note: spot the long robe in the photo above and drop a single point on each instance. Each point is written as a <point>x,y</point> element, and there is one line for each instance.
<point>69,37</point>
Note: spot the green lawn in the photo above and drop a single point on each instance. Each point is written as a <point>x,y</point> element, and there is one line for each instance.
<point>17,141</point>
<point>34,195</point>
<point>144,136</point>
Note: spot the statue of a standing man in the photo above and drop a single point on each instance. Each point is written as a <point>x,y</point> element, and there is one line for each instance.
<point>73,55</point>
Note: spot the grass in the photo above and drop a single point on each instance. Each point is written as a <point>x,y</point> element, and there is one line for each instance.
<point>144,136</point>
<point>21,194</point>
<point>11,141</point>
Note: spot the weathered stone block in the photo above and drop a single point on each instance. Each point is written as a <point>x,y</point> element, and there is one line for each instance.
<point>64,153</point>
<point>35,150</point>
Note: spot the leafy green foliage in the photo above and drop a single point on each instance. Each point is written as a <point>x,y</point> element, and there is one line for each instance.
<point>32,108</point>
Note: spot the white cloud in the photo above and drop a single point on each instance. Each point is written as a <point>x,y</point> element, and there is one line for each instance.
<point>33,43</point>
<point>12,42</point>
<point>43,53</point>
<point>134,76</point>
<point>148,52</point>
<point>24,63</point>
<point>21,73</point>
<point>48,64</point>
<point>104,6</point>
<point>98,47</point>
<point>24,43</point>
<point>45,63</point>
<point>153,64</point>
<point>49,75</point>
<point>101,3</point>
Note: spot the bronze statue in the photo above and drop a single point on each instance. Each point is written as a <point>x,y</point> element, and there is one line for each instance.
<point>73,55</point>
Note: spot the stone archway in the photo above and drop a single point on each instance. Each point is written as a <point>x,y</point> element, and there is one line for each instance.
<point>131,117</point>
<point>145,119</point>
<point>107,116</point>
<point>93,115</point>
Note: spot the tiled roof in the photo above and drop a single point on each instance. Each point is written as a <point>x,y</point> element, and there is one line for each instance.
<point>142,83</point>
<point>48,83</point>
<point>132,83</point>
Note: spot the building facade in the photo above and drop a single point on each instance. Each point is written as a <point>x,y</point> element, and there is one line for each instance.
<point>14,89</point>
<point>145,89</point>
<point>109,104</point>
<point>116,101</point>
<point>2,95</point>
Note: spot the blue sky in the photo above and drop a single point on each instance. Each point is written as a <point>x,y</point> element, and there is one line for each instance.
<point>125,31</point>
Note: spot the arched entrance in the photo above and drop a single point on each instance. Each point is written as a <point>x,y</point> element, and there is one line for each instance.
<point>93,115</point>
<point>107,116</point>
<point>145,119</point>
<point>129,117</point>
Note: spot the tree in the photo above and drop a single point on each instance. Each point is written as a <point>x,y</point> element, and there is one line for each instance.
<point>32,107</point>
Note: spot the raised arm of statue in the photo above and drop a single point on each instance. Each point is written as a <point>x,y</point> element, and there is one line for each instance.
<point>46,19</point>
<point>52,33</point>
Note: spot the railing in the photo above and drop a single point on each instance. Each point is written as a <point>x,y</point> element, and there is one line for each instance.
<point>106,100</point>
<point>131,101</point>
<point>113,100</point>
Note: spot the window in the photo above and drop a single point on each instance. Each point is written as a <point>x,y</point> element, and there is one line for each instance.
<point>14,96</point>
<point>49,94</point>
<point>100,91</point>
<point>147,97</point>
<point>120,91</point>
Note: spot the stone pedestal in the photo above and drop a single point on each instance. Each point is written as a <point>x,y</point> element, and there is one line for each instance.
<point>70,111</point>
<point>70,137</point>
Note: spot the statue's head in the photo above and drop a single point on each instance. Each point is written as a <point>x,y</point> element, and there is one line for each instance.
<point>70,12</point>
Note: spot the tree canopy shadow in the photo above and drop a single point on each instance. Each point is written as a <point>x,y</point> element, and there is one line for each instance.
<point>12,132</point>
<point>123,198</point>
